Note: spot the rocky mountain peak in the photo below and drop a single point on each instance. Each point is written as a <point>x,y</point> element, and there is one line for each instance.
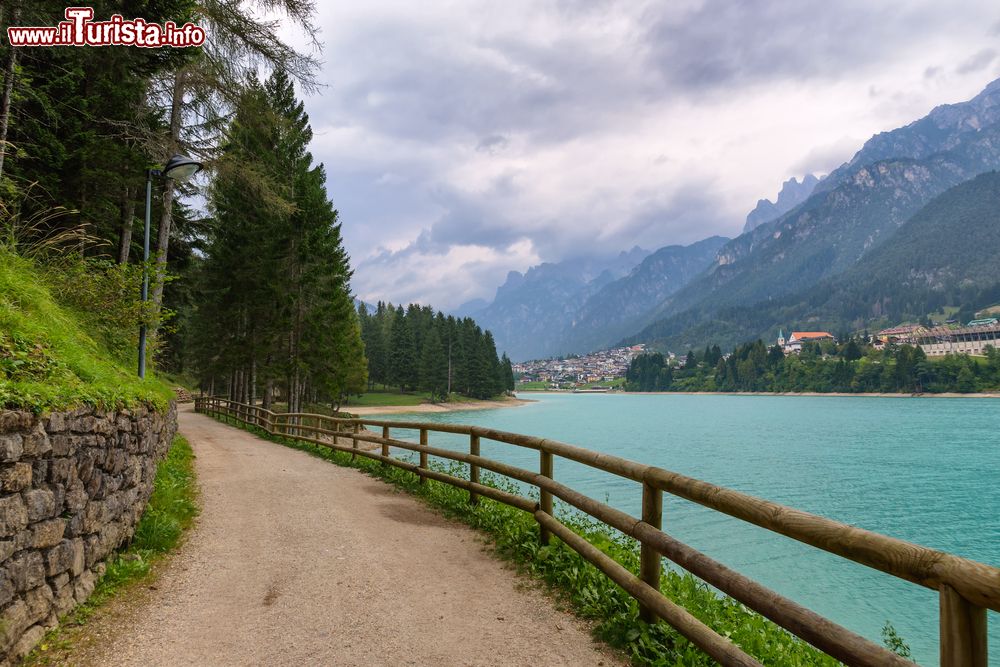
<point>791,195</point>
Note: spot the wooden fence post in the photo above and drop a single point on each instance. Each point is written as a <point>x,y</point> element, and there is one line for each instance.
<point>354,441</point>
<point>545,497</point>
<point>473,469</point>
<point>649,558</point>
<point>385,445</point>
<point>423,454</point>
<point>963,631</point>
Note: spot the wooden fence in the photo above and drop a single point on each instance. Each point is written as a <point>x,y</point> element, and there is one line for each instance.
<point>966,588</point>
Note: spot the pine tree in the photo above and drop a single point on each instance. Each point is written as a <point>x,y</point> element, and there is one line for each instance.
<point>433,365</point>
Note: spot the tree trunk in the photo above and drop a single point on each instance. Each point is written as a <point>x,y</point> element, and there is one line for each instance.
<point>268,394</point>
<point>8,87</point>
<point>166,215</point>
<point>128,215</point>
<point>253,379</point>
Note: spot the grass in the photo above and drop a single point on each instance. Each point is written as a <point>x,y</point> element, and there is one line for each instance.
<point>180,380</point>
<point>171,510</point>
<point>387,398</point>
<point>532,386</point>
<point>943,315</point>
<point>379,399</point>
<point>49,360</point>
<point>583,588</point>
<point>616,383</point>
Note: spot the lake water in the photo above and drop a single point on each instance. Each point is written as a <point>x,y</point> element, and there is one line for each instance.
<point>925,470</point>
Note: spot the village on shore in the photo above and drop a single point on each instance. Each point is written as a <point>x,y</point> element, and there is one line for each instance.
<point>605,370</point>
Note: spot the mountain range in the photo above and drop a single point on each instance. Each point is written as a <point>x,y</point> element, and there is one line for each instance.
<point>820,237</point>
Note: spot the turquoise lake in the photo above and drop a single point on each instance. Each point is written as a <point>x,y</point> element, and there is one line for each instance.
<point>925,470</point>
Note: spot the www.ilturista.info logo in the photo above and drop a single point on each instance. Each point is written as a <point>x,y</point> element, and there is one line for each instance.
<point>80,30</point>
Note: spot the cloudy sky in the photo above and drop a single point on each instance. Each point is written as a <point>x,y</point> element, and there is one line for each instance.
<point>466,139</point>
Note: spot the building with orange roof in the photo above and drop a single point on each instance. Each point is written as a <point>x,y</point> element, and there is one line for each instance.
<point>798,338</point>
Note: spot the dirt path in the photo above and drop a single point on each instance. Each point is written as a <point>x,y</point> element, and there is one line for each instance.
<point>296,561</point>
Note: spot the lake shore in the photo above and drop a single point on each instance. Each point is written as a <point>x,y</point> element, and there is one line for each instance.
<point>845,394</point>
<point>435,407</point>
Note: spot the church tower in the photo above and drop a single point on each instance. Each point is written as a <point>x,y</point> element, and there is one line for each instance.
<point>781,338</point>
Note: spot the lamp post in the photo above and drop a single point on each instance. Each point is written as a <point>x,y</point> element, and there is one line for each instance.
<point>178,168</point>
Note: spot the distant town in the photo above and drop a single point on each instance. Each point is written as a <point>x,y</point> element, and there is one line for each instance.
<point>598,370</point>
<point>606,369</point>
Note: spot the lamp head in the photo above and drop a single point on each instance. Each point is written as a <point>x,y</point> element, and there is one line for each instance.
<point>181,168</point>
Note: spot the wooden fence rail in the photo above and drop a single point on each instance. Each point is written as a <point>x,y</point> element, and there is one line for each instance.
<point>966,588</point>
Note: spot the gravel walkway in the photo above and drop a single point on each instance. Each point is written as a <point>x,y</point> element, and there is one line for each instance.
<point>296,561</point>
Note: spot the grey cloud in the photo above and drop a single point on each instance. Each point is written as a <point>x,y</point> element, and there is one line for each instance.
<point>435,86</point>
<point>976,62</point>
<point>722,44</point>
<point>492,143</point>
<point>689,213</point>
<point>826,158</point>
<point>471,222</point>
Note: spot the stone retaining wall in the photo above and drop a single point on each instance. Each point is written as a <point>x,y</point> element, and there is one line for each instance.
<point>72,488</point>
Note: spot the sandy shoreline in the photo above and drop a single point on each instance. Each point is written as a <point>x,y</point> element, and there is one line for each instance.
<point>843,394</point>
<point>434,407</point>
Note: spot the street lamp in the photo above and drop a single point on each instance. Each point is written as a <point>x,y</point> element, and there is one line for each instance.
<point>179,168</point>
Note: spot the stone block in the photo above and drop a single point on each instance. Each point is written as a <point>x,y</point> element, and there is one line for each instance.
<point>39,601</point>
<point>59,558</point>
<point>13,622</point>
<point>26,570</point>
<point>29,639</point>
<point>48,533</point>
<point>74,527</point>
<point>93,549</point>
<point>23,539</point>
<point>39,470</point>
<point>62,470</point>
<point>62,594</point>
<point>56,422</point>
<point>63,444</point>
<point>40,504</point>
<point>15,420</point>
<point>83,424</point>
<point>116,461</point>
<point>79,558</point>
<point>11,446</point>
<point>83,587</point>
<point>59,496</point>
<point>95,485</point>
<point>13,515</point>
<point>36,442</point>
<point>15,477</point>
<point>76,497</point>
<point>7,547</point>
<point>6,588</point>
<point>105,425</point>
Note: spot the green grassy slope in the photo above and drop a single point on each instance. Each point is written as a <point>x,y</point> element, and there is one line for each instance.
<point>49,359</point>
